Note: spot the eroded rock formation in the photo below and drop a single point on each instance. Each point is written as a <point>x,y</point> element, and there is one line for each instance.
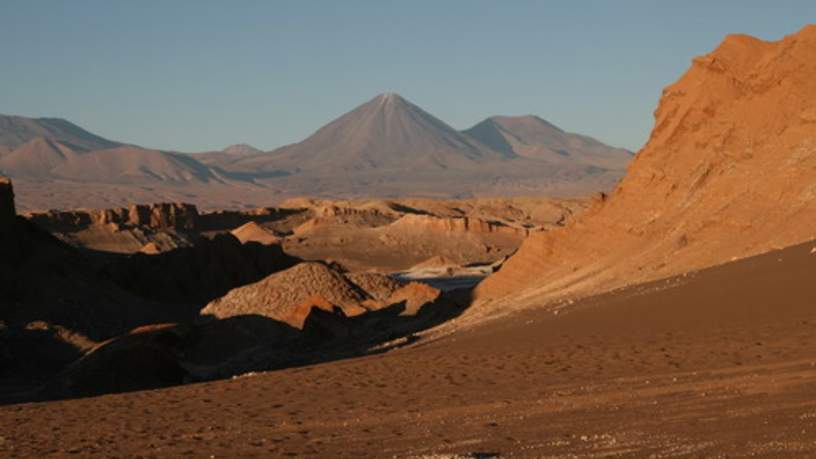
<point>728,171</point>
<point>159,216</point>
<point>290,295</point>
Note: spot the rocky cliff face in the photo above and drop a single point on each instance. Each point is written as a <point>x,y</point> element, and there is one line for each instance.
<point>179,216</point>
<point>7,212</point>
<point>729,171</point>
<point>160,216</point>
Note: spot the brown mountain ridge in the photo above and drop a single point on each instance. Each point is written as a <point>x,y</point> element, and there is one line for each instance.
<point>387,147</point>
<point>390,147</point>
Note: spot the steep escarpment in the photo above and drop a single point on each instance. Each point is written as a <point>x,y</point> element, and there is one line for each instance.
<point>162,226</point>
<point>729,171</point>
<point>7,211</point>
<point>180,216</point>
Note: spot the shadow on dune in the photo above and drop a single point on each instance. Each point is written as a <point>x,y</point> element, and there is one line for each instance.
<point>163,355</point>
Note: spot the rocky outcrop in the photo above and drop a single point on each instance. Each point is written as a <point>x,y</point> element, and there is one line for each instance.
<point>290,296</point>
<point>280,295</point>
<point>7,212</point>
<point>728,171</point>
<point>178,216</point>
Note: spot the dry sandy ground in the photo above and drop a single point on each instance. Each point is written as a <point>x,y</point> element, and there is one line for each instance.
<point>721,363</point>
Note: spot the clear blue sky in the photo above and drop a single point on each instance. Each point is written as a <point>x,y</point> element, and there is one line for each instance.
<point>199,75</point>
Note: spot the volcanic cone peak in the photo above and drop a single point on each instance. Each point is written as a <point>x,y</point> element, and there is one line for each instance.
<point>390,121</point>
<point>729,171</point>
<point>386,132</point>
<point>391,98</point>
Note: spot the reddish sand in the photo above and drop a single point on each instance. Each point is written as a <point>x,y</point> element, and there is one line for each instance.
<point>721,362</point>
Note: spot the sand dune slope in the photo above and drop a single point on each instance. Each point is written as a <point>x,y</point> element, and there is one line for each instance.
<point>720,362</point>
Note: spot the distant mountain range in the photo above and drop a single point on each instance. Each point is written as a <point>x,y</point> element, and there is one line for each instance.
<point>534,138</point>
<point>385,133</point>
<point>389,133</point>
<point>386,147</point>
<point>55,149</point>
<point>15,131</point>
